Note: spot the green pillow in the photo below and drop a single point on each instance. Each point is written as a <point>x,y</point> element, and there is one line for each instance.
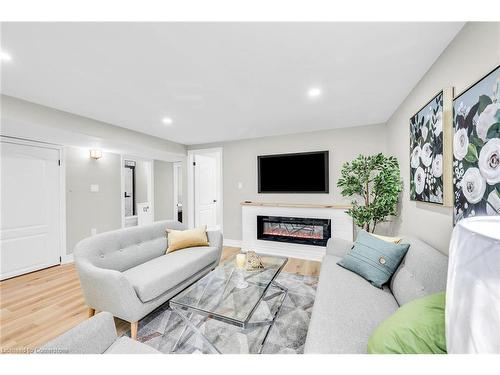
<point>415,328</point>
<point>374,259</point>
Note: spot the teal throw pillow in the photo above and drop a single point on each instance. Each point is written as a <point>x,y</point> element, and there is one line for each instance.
<point>374,259</point>
<point>417,327</point>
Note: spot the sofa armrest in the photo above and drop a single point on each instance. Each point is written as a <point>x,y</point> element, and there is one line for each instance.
<point>338,247</point>
<point>108,290</point>
<point>93,336</point>
<point>215,239</point>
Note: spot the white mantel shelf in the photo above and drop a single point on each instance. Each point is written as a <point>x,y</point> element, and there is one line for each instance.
<point>342,227</point>
<point>296,205</point>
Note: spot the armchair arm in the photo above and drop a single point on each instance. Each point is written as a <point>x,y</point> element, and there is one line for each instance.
<point>108,290</point>
<point>93,336</point>
<point>215,240</point>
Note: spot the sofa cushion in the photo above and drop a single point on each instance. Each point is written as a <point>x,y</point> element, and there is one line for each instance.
<point>373,258</point>
<point>346,311</point>
<point>423,271</point>
<point>183,239</point>
<point>395,240</point>
<point>155,277</point>
<point>125,345</point>
<point>416,328</point>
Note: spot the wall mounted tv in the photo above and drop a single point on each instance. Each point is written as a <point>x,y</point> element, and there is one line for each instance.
<point>305,172</point>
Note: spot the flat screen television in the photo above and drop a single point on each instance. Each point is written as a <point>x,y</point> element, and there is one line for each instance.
<point>305,172</point>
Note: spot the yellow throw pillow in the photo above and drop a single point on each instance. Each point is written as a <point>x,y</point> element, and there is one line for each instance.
<point>395,240</point>
<point>181,239</point>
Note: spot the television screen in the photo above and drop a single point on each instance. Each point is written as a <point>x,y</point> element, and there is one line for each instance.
<point>305,172</point>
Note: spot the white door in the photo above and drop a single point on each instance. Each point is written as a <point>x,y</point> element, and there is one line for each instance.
<point>206,191</point>
<point>30,227</point>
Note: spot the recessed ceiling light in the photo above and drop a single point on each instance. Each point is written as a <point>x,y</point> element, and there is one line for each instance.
<point>167,120</point>
<point>4,56</point>
<point>314,92</point>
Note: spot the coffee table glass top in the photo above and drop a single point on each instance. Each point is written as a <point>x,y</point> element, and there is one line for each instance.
<point>229,293</point>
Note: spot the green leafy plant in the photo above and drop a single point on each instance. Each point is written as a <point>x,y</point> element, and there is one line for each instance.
<point>376,180</point>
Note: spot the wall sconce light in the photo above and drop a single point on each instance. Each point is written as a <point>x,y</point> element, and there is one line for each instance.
<point>95,154</point>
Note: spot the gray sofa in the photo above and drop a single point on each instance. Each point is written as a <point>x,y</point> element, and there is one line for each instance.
<point>96,335</point>
<point>347,308</point>
<point>127,273</point>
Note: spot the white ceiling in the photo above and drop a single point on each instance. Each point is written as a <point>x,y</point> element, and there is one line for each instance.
<point>221,81</point>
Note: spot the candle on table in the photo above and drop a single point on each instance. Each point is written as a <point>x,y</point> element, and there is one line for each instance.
<point>240,260</point>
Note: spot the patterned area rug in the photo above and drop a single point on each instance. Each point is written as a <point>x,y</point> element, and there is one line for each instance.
<point>162,327</point>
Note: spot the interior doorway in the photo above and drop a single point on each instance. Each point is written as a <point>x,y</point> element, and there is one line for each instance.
<point>137,191</point>
<point>178,192</point>
<point>129,194</point>
<point>205,188</point>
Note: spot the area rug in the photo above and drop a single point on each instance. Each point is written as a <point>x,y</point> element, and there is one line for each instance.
<point>162,327</point>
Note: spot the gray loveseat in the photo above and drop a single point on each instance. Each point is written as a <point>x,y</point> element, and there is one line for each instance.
<point>127,273</point>
<point>96,335</point>
<point>347,308</point>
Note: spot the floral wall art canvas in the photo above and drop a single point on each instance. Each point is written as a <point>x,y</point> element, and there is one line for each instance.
<point>476,148</point>
<point>429,150</point>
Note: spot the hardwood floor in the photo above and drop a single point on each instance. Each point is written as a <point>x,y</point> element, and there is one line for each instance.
<point>36,307</point>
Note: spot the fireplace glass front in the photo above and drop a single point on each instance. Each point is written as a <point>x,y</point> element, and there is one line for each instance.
<point>307,231</point>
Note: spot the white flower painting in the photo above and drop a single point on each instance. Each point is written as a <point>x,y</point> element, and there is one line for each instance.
<point>419,179</point>
<point>473,185</point>
<point>437,166</point>
<point>476,149</point>
<point>489,161</point>
<point>460,144</point>
<point>426,152</point>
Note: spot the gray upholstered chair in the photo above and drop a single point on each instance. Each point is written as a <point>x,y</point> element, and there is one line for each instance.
<point>96,335</point>
<point>127,273</point>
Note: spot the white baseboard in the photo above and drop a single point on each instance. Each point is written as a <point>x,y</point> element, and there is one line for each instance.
<point>231,243</point>
<point>68,258</point>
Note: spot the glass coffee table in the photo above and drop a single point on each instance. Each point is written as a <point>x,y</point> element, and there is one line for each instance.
<point>231,295</point>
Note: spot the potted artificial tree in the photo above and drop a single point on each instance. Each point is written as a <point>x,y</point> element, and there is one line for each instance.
<point>376,180</point>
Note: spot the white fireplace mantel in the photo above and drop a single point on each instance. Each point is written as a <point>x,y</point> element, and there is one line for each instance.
<point>342,227</point>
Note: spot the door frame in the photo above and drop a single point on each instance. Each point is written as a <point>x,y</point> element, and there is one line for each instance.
<point>63,256</point>
<point>190,184</point>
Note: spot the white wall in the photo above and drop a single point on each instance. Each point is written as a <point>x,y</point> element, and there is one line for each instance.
<point>240,165</point>
<point>85,209</point>
<point>164,190</point>
<point>473,53</point>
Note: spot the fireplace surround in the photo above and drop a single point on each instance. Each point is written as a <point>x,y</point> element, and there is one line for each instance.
<point>341,226</point>
<point>306,231</point>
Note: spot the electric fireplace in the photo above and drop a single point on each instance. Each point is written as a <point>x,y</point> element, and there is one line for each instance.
<point>307,231</point>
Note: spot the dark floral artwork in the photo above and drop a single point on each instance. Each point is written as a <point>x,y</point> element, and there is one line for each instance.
<point>476,149</point>
<point>426,152</point>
